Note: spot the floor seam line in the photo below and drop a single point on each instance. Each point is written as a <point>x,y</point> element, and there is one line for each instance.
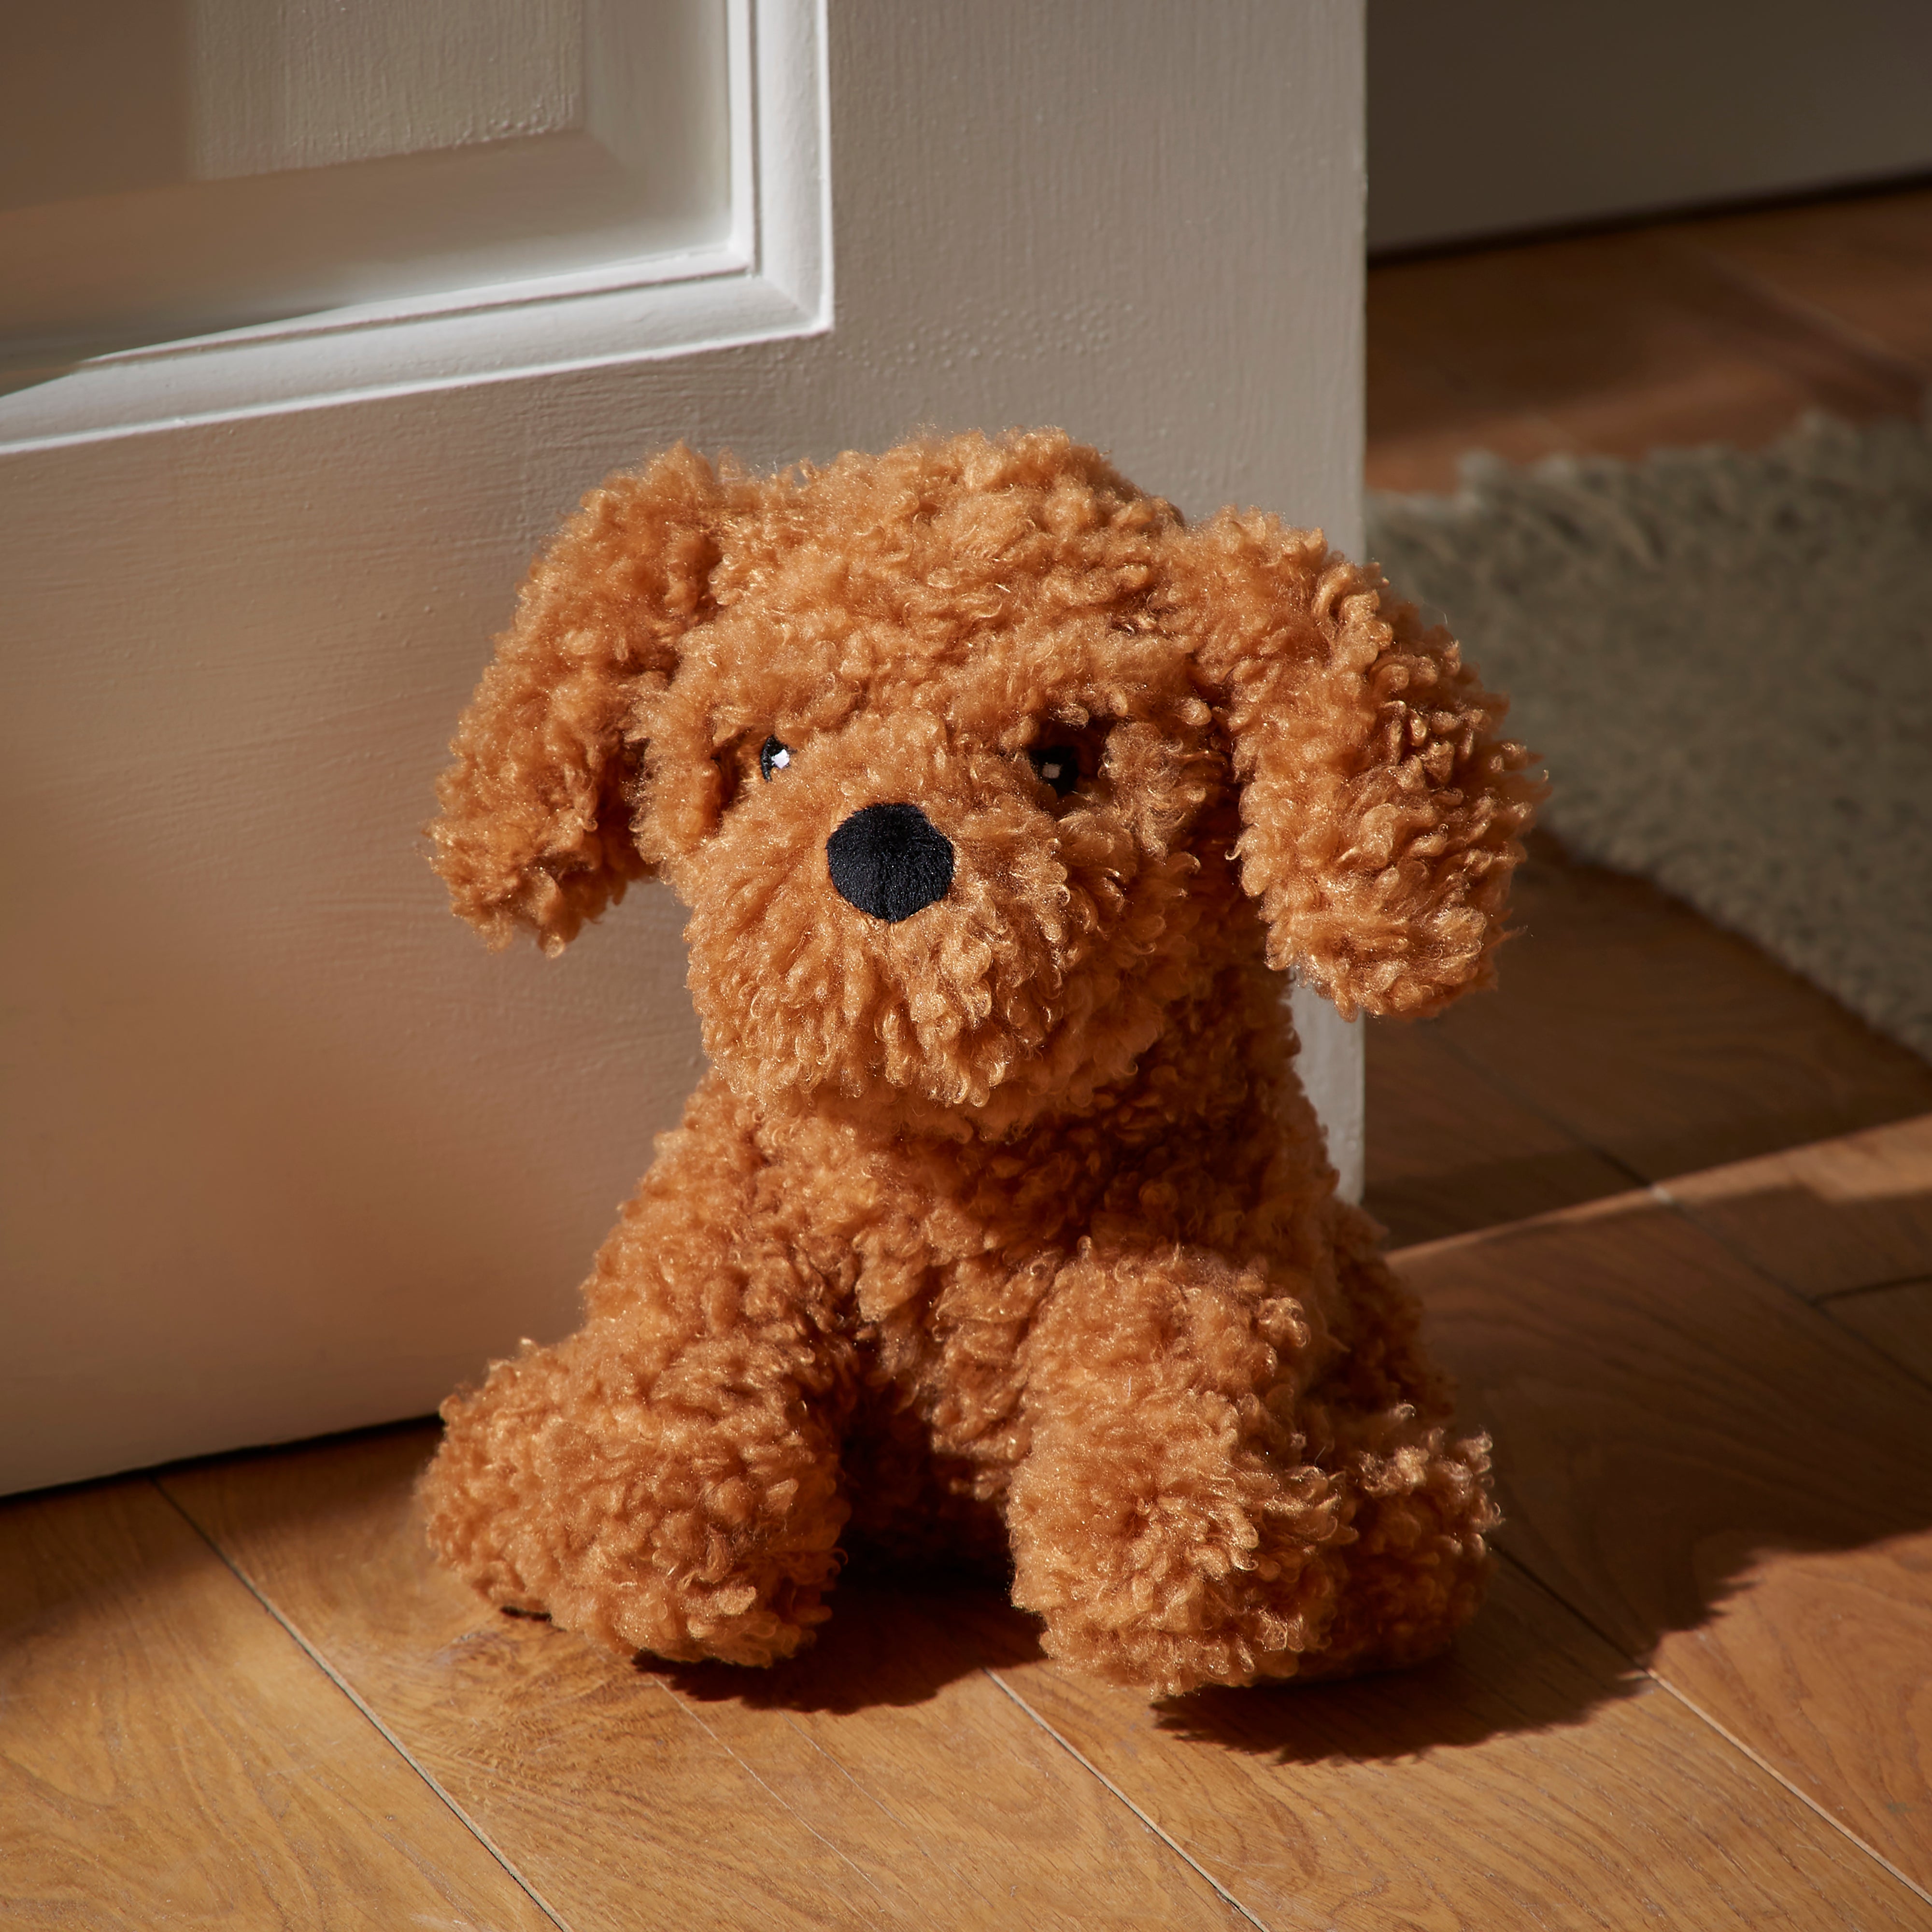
<point>1522,1568</point>
<point>382,1729</point>
<point>1659,1191</point>
<point>1094,1770</point>
<point>1704,1717</point>
<point>1878,355</point>
<point>1921,1280</point>
<point>1865,1341</point>
<point>1475,1064</point>
<point>1804,1797</point>
<point>883,1809</point>
<point>844,1858</point>
<point>1687,1212</point>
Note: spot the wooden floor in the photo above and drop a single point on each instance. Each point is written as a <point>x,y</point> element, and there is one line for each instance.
<point>1725,329</point>
<point>1671,1212</point>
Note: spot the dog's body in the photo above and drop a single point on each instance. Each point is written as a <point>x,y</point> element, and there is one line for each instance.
<point>1001,1217</point>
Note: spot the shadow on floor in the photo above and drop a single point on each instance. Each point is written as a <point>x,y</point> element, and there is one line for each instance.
<point>1524,1664</point>
<point>897,1636</point>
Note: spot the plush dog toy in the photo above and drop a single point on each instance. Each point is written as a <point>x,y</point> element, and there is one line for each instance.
<point>1001,799</point>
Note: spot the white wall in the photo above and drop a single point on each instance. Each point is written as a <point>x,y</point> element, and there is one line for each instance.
<point>1490,115</point>
<point>284,1150</point>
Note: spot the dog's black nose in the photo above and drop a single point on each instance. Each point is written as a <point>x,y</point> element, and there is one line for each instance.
<point>889,860</point>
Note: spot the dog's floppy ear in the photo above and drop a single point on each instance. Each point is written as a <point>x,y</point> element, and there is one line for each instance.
<point>1380,811</point>
<point>535,828</point>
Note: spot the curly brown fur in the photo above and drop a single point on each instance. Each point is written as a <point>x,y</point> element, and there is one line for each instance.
<point>1011,1209</point>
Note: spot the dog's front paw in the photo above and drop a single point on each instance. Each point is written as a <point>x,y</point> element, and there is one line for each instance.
<point>1168,1578</point>
<point>745,1619</point>
<point>660,1530</point>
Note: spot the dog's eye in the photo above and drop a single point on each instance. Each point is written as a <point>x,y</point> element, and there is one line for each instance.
<point>772,757</point>
<point>1058,764</point>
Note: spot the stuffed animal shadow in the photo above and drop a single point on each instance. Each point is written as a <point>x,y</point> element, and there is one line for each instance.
<point>1001,799</point>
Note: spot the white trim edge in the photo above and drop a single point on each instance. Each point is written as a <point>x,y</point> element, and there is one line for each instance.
<point>771,279</point>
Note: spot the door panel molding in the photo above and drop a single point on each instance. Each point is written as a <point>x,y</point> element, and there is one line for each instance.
<point>770,279</point>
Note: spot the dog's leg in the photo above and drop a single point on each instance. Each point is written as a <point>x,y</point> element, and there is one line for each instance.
<point>668,1479</point>
<point>1164,1522</point>
<point>1185,1514</point>
<point>1419,1508</point>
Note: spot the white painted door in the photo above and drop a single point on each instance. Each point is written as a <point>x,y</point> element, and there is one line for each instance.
<point>284,1150</point>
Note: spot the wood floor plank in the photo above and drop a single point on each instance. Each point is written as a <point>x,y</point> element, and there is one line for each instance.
<point>1448,1150</point>
<point>1866,263</point>
<point>1853,1212</point>
<point>1530,1778</point>
<point>1896,1320</point>
<point>1666,1044</point>
<point>1720,329</point>
<point>1719,1479</point>
<point>884,1780</point>
<point>1421,425</point>
<point>1623,343</point>
<point>894,1709</point>
<point>169,1756</point>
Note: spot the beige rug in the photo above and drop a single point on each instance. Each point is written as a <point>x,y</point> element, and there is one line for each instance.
<point>1726,659</point>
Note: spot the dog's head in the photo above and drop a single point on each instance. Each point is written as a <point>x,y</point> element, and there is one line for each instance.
<point>957,754</point>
